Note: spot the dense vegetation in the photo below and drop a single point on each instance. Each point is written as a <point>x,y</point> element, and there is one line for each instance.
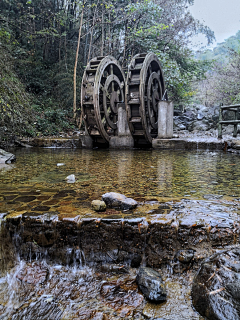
<point>222,83</point>
<point>39,41</point>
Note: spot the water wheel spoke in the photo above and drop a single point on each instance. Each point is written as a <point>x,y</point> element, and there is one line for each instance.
<point>149,88</point>
<point>105,80</point>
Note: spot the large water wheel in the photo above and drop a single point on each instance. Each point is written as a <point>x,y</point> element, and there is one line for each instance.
<point>145,88</point>
<point>103,86</point>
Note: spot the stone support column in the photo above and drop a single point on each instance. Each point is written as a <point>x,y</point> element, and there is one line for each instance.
<point>124,138</point>
<point>165,120</point>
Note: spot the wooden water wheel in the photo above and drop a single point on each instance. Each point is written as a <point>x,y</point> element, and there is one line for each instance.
<point>145,88</point>
<point>102,89</point>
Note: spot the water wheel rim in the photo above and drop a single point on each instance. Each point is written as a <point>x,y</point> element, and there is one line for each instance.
<point>142,115</point>
<point>105,118</point>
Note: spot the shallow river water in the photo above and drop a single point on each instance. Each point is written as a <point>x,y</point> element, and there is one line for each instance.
<point>37,183</point>
<point>139,173</point>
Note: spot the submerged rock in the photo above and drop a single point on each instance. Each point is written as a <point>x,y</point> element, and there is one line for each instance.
<point>151,284</point>
<point>216,286</point>
<point>118,200</point>
<point>212,196</point>
<point>185,256</point>
<point>71,178</point>
<point>114,268</point>
<point>98,205</point>
<point>60,164</point>
<point>6,157</point>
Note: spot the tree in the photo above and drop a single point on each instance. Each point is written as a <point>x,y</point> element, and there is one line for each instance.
<point>52,45</point>
<point>222,84</point>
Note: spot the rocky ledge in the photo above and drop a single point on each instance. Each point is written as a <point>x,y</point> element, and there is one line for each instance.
<point>6,157</point>
<point>181,233</point>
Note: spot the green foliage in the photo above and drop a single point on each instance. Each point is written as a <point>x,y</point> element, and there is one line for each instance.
<point>222,52</point>
<point>42,36</point>
<point>222,84</point>
<point>16,117</point>
<point>166,34</point>
<point>51,120</point>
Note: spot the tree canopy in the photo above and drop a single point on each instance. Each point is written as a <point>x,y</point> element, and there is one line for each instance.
<point>43,38</point>
<point>222,83</point>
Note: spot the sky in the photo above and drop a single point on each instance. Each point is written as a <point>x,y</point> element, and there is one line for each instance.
<point>222,16</point>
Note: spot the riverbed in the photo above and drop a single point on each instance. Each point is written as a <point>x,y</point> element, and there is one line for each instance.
<point>176,191</point>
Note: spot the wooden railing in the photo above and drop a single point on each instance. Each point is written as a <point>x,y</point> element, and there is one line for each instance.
<point>222,122</point>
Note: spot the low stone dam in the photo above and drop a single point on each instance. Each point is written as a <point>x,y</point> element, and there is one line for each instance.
<point>62,259</point>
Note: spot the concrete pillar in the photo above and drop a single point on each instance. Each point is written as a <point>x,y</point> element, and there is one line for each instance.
<point>123,129</point>
<point>165,120</point>
<point>124,138</point>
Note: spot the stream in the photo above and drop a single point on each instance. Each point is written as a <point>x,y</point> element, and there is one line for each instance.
<point>199,185</point>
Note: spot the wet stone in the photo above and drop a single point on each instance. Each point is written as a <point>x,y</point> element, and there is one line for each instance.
<point>25,198</point>
<point>43,198</point>
<point>33,273</point>
<point>98,205</point>
<point>64,193</point>
<point>118,200</point>
<point>49,216</point>
<point>122,296</point>
<point>6,157</point>
<point>41,208</point>
<point>7,198</point>
<point>136,261</point>
<point>212,196</point>
<point>41,309</point>
<point>157,211</point>
<point>83,196</point>
<point>164,206</point>
<point>216,286</point>
<point>30,193</point>
<point>51,202</point>
<point>116,268</point>
<point>185,256</point>
<point>151,284</point>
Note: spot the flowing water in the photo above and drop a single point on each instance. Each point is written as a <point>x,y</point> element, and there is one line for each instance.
<point>37,183</point>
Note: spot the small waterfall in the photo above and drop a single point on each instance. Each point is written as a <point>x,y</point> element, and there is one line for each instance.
<point>10,291</point>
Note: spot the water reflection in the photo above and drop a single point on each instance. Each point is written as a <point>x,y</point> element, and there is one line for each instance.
<point>136,173</point>
<point>165,174</point>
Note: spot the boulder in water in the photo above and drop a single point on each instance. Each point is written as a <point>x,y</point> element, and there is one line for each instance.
<point>151,284</point>
<point>71,178</point>
<point>216,286</point>
<point>98,205</point>
<point>118,200</point>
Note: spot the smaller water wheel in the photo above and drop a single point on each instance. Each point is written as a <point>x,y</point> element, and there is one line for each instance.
<point>145,88</point>
<point>102,89</point>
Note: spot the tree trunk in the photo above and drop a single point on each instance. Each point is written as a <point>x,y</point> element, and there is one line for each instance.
<point>75,69</point>
<point>102,47</point>
<point>90,44</point>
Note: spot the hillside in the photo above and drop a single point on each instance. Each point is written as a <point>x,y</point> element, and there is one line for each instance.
<point>222,51</point>
<point>16,115</point>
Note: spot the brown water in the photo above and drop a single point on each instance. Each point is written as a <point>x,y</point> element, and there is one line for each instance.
<point>36,182</point>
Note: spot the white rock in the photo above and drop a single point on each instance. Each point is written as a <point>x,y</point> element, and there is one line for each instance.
<point>71,178</point>
<point>60,164</point>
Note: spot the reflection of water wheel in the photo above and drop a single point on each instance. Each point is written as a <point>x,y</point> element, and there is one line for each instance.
<point>102,89</point>
<point>145,88</point>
